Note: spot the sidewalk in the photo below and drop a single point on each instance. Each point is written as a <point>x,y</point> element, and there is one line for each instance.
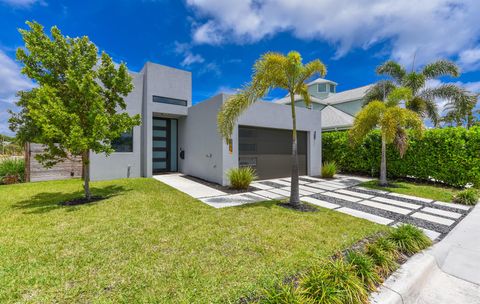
<point>447,273</point>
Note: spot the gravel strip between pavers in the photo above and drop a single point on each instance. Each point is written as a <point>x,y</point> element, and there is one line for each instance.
<point>396,217</point>
<point>272,184</point>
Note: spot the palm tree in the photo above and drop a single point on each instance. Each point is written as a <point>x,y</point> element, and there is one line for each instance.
<point>423,98</point>
<point>273,70</point>
<point>392,121</point>
<point>460,110</point>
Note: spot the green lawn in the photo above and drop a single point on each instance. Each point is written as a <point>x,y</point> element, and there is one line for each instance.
<point>435,192</point>
<point>150,243</point>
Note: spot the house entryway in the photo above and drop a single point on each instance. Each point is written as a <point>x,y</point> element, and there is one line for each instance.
<point>164,145</point>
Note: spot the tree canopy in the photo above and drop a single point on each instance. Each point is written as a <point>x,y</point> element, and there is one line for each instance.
<point>77,105</point>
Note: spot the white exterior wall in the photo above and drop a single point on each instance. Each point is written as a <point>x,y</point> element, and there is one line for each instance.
<point>116,164</point>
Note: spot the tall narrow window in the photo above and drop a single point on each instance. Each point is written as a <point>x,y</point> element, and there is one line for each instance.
<point>332,88</point>
<point>124,143</point>
<point>322,87</point>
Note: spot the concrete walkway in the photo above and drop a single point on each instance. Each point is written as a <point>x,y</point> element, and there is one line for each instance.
<point>447,273</point>
<point>190,187</point>
<point>341,194</point>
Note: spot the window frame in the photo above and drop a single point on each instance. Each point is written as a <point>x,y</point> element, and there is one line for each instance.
<point>169,101</point>
<point>132,145</point>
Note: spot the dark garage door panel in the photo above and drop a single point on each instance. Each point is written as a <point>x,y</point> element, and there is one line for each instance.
<point>269,151</point>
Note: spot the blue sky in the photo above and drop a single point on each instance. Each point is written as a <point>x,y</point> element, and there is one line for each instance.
<point>219,40</point>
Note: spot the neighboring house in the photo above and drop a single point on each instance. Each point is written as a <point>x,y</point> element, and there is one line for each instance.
<point>338,109</point>
<point>178,137</point>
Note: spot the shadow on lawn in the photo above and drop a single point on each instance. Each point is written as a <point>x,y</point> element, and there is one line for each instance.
<point>48,201</point>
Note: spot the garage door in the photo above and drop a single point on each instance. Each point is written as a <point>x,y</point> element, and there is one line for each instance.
<point>269,151</point>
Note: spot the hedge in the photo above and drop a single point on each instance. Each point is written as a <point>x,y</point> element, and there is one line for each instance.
<point>449,155</point>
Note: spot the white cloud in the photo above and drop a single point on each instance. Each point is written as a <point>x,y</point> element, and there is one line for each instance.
<point>189,58</point>
<point>469,60</point>
<point>22,3</point>
<point>11,81</point>
<point>429,28</point>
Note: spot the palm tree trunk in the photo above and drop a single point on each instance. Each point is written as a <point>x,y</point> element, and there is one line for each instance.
<point>383,163</point>
<point>294,191</point>
<point>86,174</point>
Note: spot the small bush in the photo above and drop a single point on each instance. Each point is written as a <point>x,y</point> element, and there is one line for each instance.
<point>467,197</point>
<point>240,178</point>
<point>364,268</point>
<point>284,294</point>
<point>12,170</point>
<point>329,169</point>
<point>334,282</point>
<point>409,239</point>
<point>384,260</point>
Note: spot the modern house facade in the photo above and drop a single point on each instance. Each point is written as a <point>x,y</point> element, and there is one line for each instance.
<point>176,136</point>
<point>338,109</point>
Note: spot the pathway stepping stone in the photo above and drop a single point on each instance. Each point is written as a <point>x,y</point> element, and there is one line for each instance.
<point>342,196</point>
<point>353,193</point>
<point>433,218</point>
<point>365,215</point>
<point>396,203</point>
<point>386,207</point>
<point>444,213</point>
<point>320,203</point>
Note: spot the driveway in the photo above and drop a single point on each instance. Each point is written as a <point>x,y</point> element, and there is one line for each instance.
<point>341,194</point>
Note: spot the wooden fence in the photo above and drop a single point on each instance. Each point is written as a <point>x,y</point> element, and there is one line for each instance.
<point>34,171</point>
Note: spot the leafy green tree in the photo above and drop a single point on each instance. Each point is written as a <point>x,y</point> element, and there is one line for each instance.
<point>423,98</point>
<point>392,120</point>
<point>78,105</point>
<point>273,70</point>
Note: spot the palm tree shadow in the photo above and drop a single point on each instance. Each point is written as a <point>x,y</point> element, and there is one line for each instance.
<point>48,201</point>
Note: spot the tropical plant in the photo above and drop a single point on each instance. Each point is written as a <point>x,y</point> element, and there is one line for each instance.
<point>460,111</point>
<point>422,100</point>
<point>329,169</point>
<point>392,121</point>
<point>364,268</point>
<point>384,261</point>
<point>241,178</point>
<point>467,197</point>
<point>409,239</point>
<point>78,105</point>
<point>273,70</point>
<point>334,282</point>
<point>12,170</point>
<point>284,294</point>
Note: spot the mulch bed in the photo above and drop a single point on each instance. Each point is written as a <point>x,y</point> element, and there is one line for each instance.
<point>82,201</point>
<point>299,207</point>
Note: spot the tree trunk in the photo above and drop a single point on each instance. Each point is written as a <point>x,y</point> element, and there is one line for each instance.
<point>86,174</point>
<point>294,191</point>
<point>383,163</point>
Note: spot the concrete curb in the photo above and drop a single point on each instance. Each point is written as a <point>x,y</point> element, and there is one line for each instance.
<point>405,284</point>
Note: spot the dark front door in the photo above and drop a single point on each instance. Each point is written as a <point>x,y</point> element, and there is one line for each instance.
<point>164,145</point>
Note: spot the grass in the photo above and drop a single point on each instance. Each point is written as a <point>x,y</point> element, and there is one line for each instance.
<point>434,192</point>
<point>150,243</point>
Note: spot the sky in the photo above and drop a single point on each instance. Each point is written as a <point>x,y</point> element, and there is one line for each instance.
<point>219,40</point>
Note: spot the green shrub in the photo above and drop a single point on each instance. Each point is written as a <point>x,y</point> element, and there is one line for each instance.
<point>409,239</point>
<point>284,294</point>
<point>364,268</point>
<point>12,169</point>
<point>329,169</point>
<point>467,197</point>
<point>384,260</point>
<point>334,282</point>
<point>240,178</point>
<point>450,155</point>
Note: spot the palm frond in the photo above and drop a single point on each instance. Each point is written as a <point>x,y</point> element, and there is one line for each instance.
<point>312,68</point>
<point>378,91</point>
<point>303,91</point>
<point>414,81</point>
<point>392,69</point>
<point>441,68</point>
<point>366,120</point>
<point>398,94</point>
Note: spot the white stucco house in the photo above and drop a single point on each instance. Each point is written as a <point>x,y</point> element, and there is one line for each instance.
<point>338,108</point>
<point>176,136</point>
